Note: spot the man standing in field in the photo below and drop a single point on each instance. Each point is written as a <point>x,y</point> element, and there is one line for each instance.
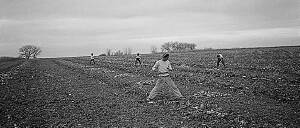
<point>92,59</point>
<point>138,59</point>
<point>220,59</point>
<point>164,82</point>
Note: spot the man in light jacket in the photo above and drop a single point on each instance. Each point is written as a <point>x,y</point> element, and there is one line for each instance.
<point>164,83</point>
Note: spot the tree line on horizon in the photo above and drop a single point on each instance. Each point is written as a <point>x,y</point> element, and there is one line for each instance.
<point>32,51</point>
<point>176,46</point>
<point>172,46</point>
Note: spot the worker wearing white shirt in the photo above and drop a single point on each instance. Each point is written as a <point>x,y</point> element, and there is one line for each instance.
<point>163,67</point>
<point>164,81</point>
<point>220,59</point>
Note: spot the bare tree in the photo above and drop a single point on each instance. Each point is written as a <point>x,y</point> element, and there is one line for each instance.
<point>108,52</point>
<point>119,53</point>
<point>192,46</point>
<point>177,46</point>
<point>166,47</point>
<point>28,51</point>
<point>153,49</point>
<point>127,51</point>
<point>174,46</point>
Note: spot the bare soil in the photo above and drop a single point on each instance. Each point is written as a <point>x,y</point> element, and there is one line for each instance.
<point>259,87</point>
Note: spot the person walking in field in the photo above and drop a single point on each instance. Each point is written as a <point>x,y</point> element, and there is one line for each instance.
<point>92,59</point>
<point>138,59</point>
<point>164,83</point>
<point>220,59</point>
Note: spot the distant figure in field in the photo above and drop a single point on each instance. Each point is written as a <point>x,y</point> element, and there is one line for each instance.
<point>220,59</point>
<point>164,81</point>
<point>138,59</point>
<point>92,59</point>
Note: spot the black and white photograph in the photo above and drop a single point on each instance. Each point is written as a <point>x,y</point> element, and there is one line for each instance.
<point>149,63</point>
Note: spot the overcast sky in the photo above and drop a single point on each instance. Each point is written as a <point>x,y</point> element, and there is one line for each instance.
<point>79,27</point>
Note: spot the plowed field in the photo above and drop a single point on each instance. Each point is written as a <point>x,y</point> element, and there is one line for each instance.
<point>259,87</point>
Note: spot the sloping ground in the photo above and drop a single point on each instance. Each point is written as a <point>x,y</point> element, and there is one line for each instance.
<point>68,92</point>
<point>271,72</point>
<point>253,111</point>
<point>56,93</point>
<point>7,64</point>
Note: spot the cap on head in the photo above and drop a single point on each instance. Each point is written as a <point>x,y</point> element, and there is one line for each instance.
<point>165,55</point>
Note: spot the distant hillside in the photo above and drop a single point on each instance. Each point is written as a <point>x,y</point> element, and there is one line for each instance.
<point>5,58</point>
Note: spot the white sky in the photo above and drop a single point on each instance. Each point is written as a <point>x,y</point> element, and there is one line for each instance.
<point>79,27</point>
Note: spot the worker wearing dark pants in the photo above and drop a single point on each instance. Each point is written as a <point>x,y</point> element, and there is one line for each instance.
<point>220,59</point>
